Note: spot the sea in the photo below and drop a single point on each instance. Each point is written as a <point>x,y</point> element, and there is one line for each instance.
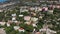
<point>1,1</point>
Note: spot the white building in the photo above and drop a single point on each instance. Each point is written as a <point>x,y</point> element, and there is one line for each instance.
<point>2,23</point>
<point>1,10</point>
<point>48,31</point>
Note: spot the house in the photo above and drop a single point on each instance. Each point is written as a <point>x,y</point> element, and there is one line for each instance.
<point>32,8</point>
<point>34,25</point>
<point>1,10</point>
<point>16,27</point>
<point>21,15</point>
<point>47,31</point>
<point>27,18</point>
<point>21,30</point>
<point>8,24</point>
<point>13,18</point>
<point>2,23</point>
<point>50,12</point>
<point>37,33</point>
<point>39,9</point>
<point>34,19</point>
<point>28,22</point>
<point>23,10</point>
<point>13,15</point>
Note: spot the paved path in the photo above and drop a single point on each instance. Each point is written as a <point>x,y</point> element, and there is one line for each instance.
<point>2,31</point>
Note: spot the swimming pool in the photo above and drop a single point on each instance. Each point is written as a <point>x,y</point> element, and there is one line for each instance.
<point>1,1</point>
